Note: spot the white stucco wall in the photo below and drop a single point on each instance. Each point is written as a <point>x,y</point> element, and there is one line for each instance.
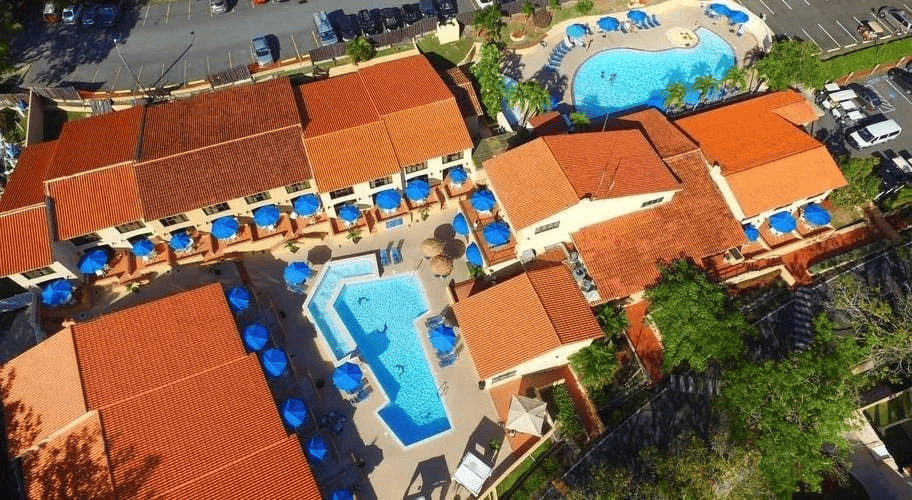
<point>551,359</point>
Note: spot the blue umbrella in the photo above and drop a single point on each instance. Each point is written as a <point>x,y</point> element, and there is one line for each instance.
<point>576,31</point>
<point>349,213</point>
<point>255,336</point>
<point>388,199</point>
<point>496,234</point>
<point>274,362</point>
<point>458,175</point>
<point>751,232</point>
<point>719,8</point>
<point>13,150</point>
<point>294,412</point>
<point>473,255</point>
<point>417,190</point>
<point>238,299</point>
<point>266,216</point>
<point>342,495</point>
<point>460,225</point>
<point>296,273</point>
<point>93,261</point>
<point>143,247</point>
<point>782,222</point>
<point>317,449</point>
<point>816,215</point>
<point>608,23</point>
<point>636,16</point>
<point>181,241</point>
<point>737,16</point>
<point>225,228</point>
<point>483,200</point>
<point>306,205</point>
<point>347,377</point>
<point>443,338</point>
<point>57,293</point>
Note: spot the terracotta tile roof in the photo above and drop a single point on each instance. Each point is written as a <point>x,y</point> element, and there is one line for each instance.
<point>748,133</point>
<point>25,185</point>
<point>95,200</point>
<point>97,141</point>
<point>288,477</point>
<point>72,464</point>
<point>427,131</point>
<point>540,178</point>
<point>222,172</point>
<point>335,104</point>
<point>621,254</point>
<point>667,139</point>
<point>212,118</point>
<point>177,433</point>
<point>550,123</point>
<point>781,182</point>
<point>25,240</point>
<point>403,84</point>
<point>458,81</point>
<point>351,156</point>
<point>797,112</point>
<point>522,318</point>
<point>42,392</point>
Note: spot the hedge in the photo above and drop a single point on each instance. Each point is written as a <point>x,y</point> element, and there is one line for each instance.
<point>866,59</point>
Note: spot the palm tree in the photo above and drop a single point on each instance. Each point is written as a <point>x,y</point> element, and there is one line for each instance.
<point>530,97</point>
<point>360,49</point>
<point>735,78</point>
<point>705,85</point>
<point>528,9</point>
<point>675,93</point>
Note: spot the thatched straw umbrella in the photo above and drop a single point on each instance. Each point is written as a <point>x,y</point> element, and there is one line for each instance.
<point>432,247</point>
<point>441,265</point>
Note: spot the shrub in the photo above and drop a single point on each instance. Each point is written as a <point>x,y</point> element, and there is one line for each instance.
<point>584,6</point>
<point>567,417</point>
<point>541,18</point>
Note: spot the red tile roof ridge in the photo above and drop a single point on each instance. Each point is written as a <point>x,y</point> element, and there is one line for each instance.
<point>52,180</point>
<point>369,96</point>
<point>560,167</point>
<point>230,141</point>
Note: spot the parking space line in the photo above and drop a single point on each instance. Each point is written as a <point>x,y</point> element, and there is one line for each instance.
<point>807,3</point>
<point>208,71</point>
<point>829,35</point>
<point>810,38</point>
<point>138,81</point>
<point>767,7</point>
<point>114,82</point>
<point>847,33</point>
<point>787,5</point>
<point>148,7</point>
<point>95,77</point>
<point>293,42</point>
<point>907,8</point>
<point>185,71</point>
<point>189,8</point>
<point>900,92</point>
<point>168,13</point>
<point>229,59</point>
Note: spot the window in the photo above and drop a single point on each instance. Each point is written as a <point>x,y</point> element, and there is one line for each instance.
<point>214,209</point>
<point>381,182</point>
<point>37,273</point>
<point>174,219</point>
<point>129,226</point>
<point>85,239</point>
<point>254,198</point>
<point>297,186</point>
<point>503,376</point>
<point>452,157</point>
<point>547,227</point>
<point>652,202</point>
<point>416,167</point>
<point>341,192</point>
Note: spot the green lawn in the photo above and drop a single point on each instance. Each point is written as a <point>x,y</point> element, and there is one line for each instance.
<point>508,482</point>
<point>453,52</point>
<point>898,199</point>
<point>866,58</point>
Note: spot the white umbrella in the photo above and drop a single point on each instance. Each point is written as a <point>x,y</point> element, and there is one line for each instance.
<point>527,415</point>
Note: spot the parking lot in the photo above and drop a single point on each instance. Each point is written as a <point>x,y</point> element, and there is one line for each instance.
<point>181,40</point>
<point>830,24</point>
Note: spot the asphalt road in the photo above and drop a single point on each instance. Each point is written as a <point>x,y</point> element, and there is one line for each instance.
<point>828,23</point>
<point>151,37</point>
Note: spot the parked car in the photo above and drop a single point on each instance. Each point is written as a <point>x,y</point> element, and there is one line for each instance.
<point>51,13</point>
<point>89,13</point>
<point>873,134</point>
<point>218,6</point>
<point>446,8</point>
<point>410,15</point>
<point>355,25</point>
<point>901,78</point>
<point>259,48</point>
<point>392,18</point>
<point>428,8</point>
<point>368,25</point>
<point>342,24</point>
<point>898,17</point>
<point>107,14</point>
<point>324,28</point>
<point>71,13</point>
<point>866,95</point>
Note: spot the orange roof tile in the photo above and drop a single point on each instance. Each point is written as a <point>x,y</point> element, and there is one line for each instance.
<point>155,344</point>
<point>424,132</point>
<point>524,317</point>
<point>350,156</point>
<point>25,185</point>
<point>42,392</point>
<point>335,104</point>
<point>97,141</point>
<point>216,117</point>
<point>667,139</point>
<point>403,84</point>
<point>95,200</point>
<point>550,123</point>
<point>72,464</point>
<point>622,254</point>
<point>234,169</point>
<point>542,177</point>
<point>458,81</point>
<point>25,240</point>
<point>797,112</point>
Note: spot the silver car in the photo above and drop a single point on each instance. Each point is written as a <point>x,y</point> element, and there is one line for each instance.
<point>218,6</point>
<point>71,13</point>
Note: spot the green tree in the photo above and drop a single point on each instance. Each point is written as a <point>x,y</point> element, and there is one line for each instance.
<point>490,81</point>
<point>735,78</point>
<point>796,409</point>
<point>554,5</point>
<point>612,319</point>
<point>530,97</point>
<point>567,417</point>
<point>528,9</point>
<point>584,6</point>
<point>596,364</point>
<point>579,121</point>
<point>791,62</point>
<point>675,93</point>
<point>490,21</point>
<point>705,85</point>
<point>863,183</point>
<point>695,317</point>
<point>360,49</point>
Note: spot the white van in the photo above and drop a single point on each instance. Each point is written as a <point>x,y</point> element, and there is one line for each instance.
<point>874,134</point>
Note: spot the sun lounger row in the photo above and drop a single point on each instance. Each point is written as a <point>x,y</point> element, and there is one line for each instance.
<point>557,56</point>
<point>390,256</point>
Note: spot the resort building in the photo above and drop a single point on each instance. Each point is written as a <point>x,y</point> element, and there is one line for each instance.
<point>159,399</point>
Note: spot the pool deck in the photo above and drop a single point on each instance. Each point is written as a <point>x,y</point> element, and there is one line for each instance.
<point>674,16</point>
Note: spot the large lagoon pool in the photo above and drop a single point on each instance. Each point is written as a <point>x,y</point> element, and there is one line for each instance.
<point>619,79</point>
<point>353,307</point>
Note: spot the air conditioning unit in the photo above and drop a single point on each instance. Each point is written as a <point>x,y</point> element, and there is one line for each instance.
<point>579,273</point>
<point>574,258</point>
<point>587,285</point>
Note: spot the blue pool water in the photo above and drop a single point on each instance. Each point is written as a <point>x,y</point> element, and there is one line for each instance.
<point>619,79</point>
<point>319,305</point>
<point>379,314</point>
